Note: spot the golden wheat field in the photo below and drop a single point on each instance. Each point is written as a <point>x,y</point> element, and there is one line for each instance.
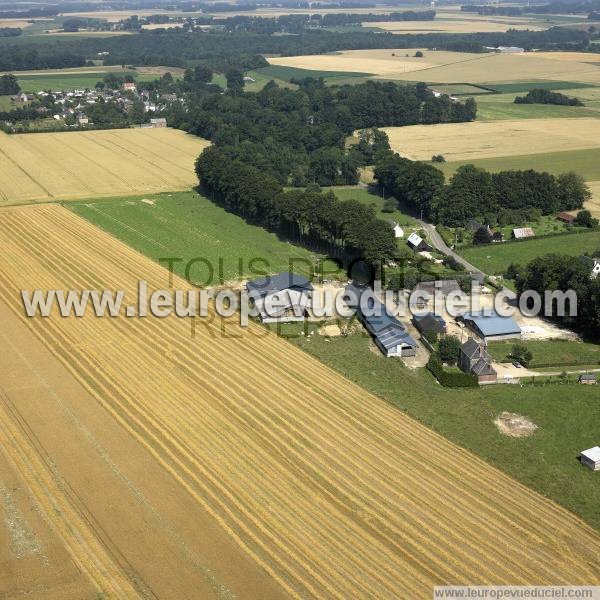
<point>81,164</point>
<point>452,67</point>
<point>231,460</point>
<point>479,139</point>
<point>449,26</point>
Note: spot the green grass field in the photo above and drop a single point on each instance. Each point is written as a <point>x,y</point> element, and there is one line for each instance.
<point>261,79</point>
<point>460,89</point>
<point>188,226</point>
<point>551,353</point>
<point>502,107</point>
<point>70,81</point>
<point>495,258</point>
<point>567,417</point>
<point>542,84</point>
<point>287,73</point>
<point>366,196</point>
<point>584,162</point>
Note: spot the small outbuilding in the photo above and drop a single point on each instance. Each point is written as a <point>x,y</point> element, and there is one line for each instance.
<point>417,243</point>
<point>565,217</point>
<point>430,322</point>
<point>281,298</point>
<point>522,233</point>
<point>588,379</point>
<point>490,326</point>
<point>591,458</point>
<point>398,231</point>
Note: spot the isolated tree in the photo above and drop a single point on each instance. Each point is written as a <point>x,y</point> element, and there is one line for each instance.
<point>585,219</point>
<point>521,353</point>
<point>9,85</point>
<point>482,236</point>
<point>449,349</point>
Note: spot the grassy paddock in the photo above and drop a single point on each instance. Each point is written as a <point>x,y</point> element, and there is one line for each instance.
<point>550,353</point>
<point>546,461</point>
<point>495,258</point>
<point>186,225</point>
<point>70,81</point>
<point>525,86</point>
<point>287,73</point>
<point>366,196</point>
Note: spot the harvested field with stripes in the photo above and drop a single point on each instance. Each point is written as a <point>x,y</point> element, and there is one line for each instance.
<point>82,164</point>
<point>277,477</point>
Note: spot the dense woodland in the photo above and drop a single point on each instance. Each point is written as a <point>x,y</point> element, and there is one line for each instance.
<point>279,137</point>
<point>560,272</point>
<point>344,229</point>
<point>473,193</point>
<point>222,49</point>
<point>298,136</point>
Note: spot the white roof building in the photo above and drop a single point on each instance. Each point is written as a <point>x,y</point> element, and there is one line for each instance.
<point>591,458</point>
<point>414,240</point>
<point>398,231</point>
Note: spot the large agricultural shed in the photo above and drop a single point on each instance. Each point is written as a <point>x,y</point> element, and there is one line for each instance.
<point>491,327</point>
<point>388,333</point>
<point>280,298</point>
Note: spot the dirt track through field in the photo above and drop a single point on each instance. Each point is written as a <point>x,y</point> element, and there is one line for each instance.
<point>331,492</point>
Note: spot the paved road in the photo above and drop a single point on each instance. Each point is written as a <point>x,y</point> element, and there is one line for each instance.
<point>438,243</point>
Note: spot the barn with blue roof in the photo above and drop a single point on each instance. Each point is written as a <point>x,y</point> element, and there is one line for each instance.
<point>490,326</point>
<point>388,332</point>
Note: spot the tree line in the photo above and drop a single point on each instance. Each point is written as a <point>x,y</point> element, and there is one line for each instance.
<point>474,193</point>
<point>345,229</point>
<point>298,136</point>
<point>538,96</point>
<point>561,272</point>
<point>177,47</point>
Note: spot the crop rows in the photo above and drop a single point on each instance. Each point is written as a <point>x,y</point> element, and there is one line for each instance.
<point>333,492</point>
<point>95,163</point>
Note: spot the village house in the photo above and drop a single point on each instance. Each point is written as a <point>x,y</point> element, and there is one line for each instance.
<point>280,298</point>
<point>158,123</point>
<point>430,323</point>
<point>129,86</point>
<point>474,359</point>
